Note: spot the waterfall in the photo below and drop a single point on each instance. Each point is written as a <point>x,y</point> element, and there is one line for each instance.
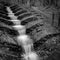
<point>24,40</point>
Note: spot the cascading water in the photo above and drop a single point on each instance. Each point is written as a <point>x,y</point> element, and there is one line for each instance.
<point>24,40</point>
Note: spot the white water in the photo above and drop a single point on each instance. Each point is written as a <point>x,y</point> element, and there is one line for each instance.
<point>23,39</point>
<point>11,14</point>
<point>31,56</point>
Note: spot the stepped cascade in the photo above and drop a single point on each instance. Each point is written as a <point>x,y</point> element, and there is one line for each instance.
<point>22,38</point>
